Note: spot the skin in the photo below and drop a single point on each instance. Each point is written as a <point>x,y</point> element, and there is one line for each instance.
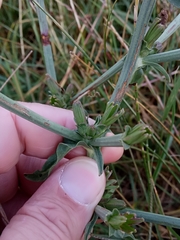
<point>60,207</point>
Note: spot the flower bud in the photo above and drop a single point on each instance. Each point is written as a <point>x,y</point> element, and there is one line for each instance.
<point>79,113</point>
<point>137,134</point>
<point>155,30</point>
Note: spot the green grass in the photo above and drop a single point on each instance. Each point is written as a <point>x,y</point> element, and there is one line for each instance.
<point>148,173</point>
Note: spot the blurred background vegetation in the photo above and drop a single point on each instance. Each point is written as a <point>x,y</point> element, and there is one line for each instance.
<point>147,176</point>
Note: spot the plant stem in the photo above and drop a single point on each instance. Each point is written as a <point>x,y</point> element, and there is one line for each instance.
<point>168,56</point>
<point>48,56</point>
<point>100,80</point>
<point>130,61</point>
<point>112,141</point>
<point>68,36</point>
<point>35,118</point>
<point>155,218</point>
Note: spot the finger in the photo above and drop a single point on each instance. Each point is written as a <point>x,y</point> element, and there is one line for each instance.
<point>29,165</point>
<point>21,136</point>
<point>40,142</point>
<point>14,179</point>
<point>14,204</point>
<point>10,146</point>
<point>62,206</point>
<point>34,138</point>
<point>111,154</point>
<point>8,185</point>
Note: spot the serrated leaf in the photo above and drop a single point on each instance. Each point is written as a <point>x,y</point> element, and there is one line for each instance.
<point>130,221</point>
<point>115,220</point>
<point>123,222</point>
<point>89,226</point>
<point>133,219</point>
<point>176,3</point>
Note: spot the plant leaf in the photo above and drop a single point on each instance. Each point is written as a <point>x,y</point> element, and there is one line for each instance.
<point>41,175</point>
<point>124,236</point>
<point>123,222</point>
<point>121,235</point>
<point>115,220</point>
<point>159,68</point>
<point>62,150</point>
<point>131,220</point>
<point>95,153</point>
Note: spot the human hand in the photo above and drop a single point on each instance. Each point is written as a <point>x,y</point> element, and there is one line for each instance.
<point>60,207</point>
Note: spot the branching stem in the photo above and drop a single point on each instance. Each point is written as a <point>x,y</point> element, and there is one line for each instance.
<point>136,42</point>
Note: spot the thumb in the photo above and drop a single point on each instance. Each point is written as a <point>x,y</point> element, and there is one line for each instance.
<point>62,206</point>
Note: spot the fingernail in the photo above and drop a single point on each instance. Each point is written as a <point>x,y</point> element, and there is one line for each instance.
<point>81,182</point>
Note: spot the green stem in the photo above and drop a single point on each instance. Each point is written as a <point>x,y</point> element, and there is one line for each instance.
<point>48,56</point>
<point>35,118</point>
<point>112,141</point>
<point>155,218</point>
<point>168,56</point>
<point>100,80</point>
<point>131,59</point>
<point>67,35</point>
